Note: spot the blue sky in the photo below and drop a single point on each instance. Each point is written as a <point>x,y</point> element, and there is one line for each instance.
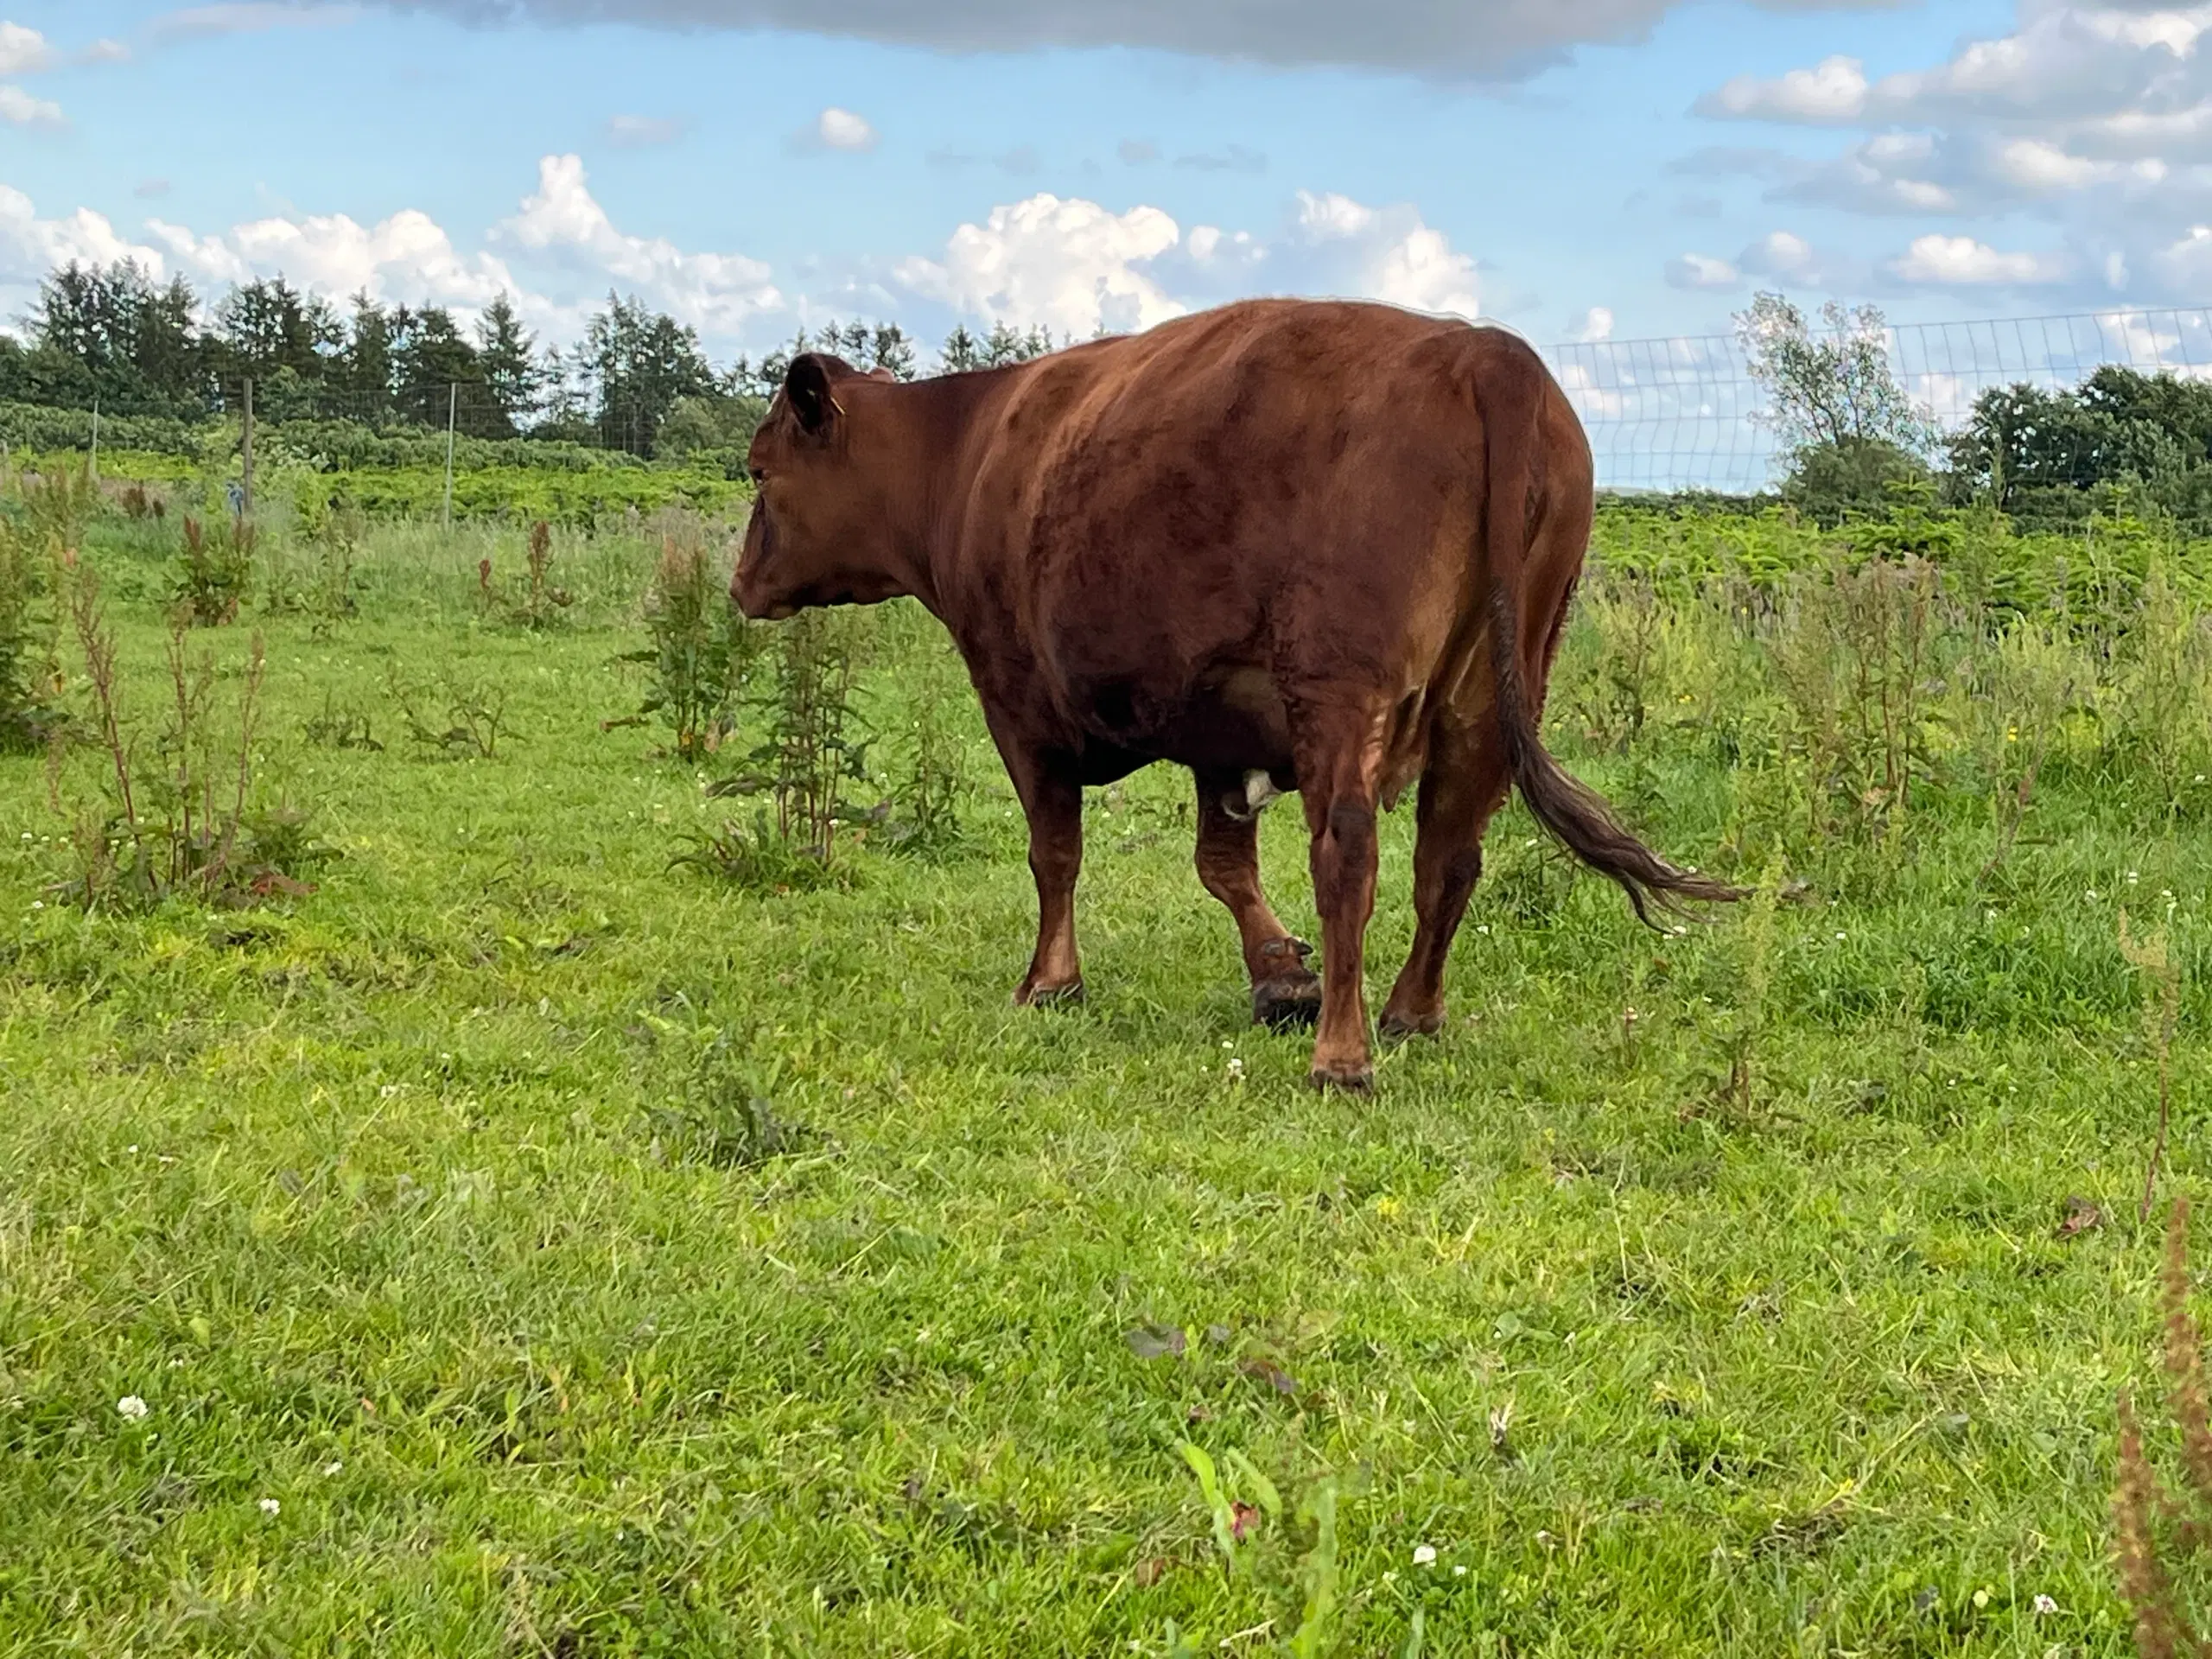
<point>1573,167</point>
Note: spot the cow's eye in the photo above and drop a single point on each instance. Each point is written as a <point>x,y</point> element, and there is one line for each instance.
<point>758,476</point>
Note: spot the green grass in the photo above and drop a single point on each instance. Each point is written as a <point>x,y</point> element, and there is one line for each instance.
<point>393,1204</point>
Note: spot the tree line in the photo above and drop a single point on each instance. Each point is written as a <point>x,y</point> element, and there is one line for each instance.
<point>117,339</point>
<point>1855,440</point>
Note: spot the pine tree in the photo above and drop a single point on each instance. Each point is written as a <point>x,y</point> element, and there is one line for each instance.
<point>430,359</point>
<point>962,353</point>
<point>368,370</point>
<point>268,327</point>
<point>506,354</point>
<point>641,362</point>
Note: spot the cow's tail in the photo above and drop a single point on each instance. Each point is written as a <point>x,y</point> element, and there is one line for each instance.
<point>1511,392</point>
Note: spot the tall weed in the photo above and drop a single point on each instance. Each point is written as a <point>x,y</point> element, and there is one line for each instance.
<point>2165,1554</point>
<point>1853,656</point>
<point>213,571</point>
<point>30,669</point>
<point>177,812</point>
<point>700,653</point>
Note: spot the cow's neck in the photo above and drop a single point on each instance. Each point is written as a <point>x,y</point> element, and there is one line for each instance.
<point>937,463</point>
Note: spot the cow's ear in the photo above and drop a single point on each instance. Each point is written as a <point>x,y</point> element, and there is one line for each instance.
<point>806,388</point>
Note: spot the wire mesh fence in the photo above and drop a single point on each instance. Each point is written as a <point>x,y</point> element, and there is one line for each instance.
<point>1687,414</point>
<point>469,409</point>
<point>1682,413</point>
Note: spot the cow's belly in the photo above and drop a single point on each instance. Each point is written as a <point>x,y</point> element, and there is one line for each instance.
<point>1229,722</point>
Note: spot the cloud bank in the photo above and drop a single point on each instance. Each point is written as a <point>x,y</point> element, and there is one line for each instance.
<point>1070,264</point>
<point>1445,39</point>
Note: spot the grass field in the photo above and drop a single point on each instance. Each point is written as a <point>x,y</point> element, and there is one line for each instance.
<point>1698,1293</point>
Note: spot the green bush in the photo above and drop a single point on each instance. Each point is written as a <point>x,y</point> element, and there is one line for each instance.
<point>1831,482</point>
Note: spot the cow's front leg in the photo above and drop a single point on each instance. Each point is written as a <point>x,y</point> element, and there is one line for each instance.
<point>1054,804</point>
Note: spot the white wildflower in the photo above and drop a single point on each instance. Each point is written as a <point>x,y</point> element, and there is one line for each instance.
<point>2045,1604</point>
<point>1424,1555</point>
<point>1235,1069</point>
<point>133,1406</point>
<point>271,1506</point>
<point>332,1468</point>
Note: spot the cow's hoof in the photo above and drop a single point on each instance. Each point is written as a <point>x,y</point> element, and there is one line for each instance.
<point>1357,1079</point>
<point>1049,996</point>
<point>1398,1026</point>
<point>1287,1003</point>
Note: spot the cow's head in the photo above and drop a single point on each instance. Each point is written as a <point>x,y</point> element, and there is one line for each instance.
<point>820,530</point>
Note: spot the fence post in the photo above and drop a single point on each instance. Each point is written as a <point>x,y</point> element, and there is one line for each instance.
<point>453,406</point>
<point>246,451</point>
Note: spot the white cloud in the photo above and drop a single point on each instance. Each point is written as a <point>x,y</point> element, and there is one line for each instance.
<point>1959,261</point>
<point>1384,253</point>
<point>1592,328</point>
<point>24,51</point>
<point>1835,89</point>
<point>1887,174</point>
<point>1585,386</point>
<point>2040,167</point>
<point>1783,254</point>
<point>105,52</point>
<point>565,254</point>
<point>1072,265</point>
<point>31,246</point>
<point>2186,263</point>
<point>407,258</point>
<point>1233,158</point>
<point>246,17</point>
<point>719,293</point>
<point>835,129</point>
<point>1702,271</point>
<point>19,108</point>
<point>643,131</point>
<point>1077,267</point>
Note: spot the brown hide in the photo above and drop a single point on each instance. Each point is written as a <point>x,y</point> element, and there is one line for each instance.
<point>1330,542</point>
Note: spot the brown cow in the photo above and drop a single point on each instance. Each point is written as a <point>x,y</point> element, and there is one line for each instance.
<point>1290,545</point>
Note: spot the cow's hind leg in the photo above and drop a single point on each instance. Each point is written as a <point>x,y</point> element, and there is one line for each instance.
<point>1464,782</point>
<point>1335,775</point>
<point>1285,992</point>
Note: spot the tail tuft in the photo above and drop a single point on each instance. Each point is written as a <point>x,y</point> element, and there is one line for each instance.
<point>1575,815</point>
